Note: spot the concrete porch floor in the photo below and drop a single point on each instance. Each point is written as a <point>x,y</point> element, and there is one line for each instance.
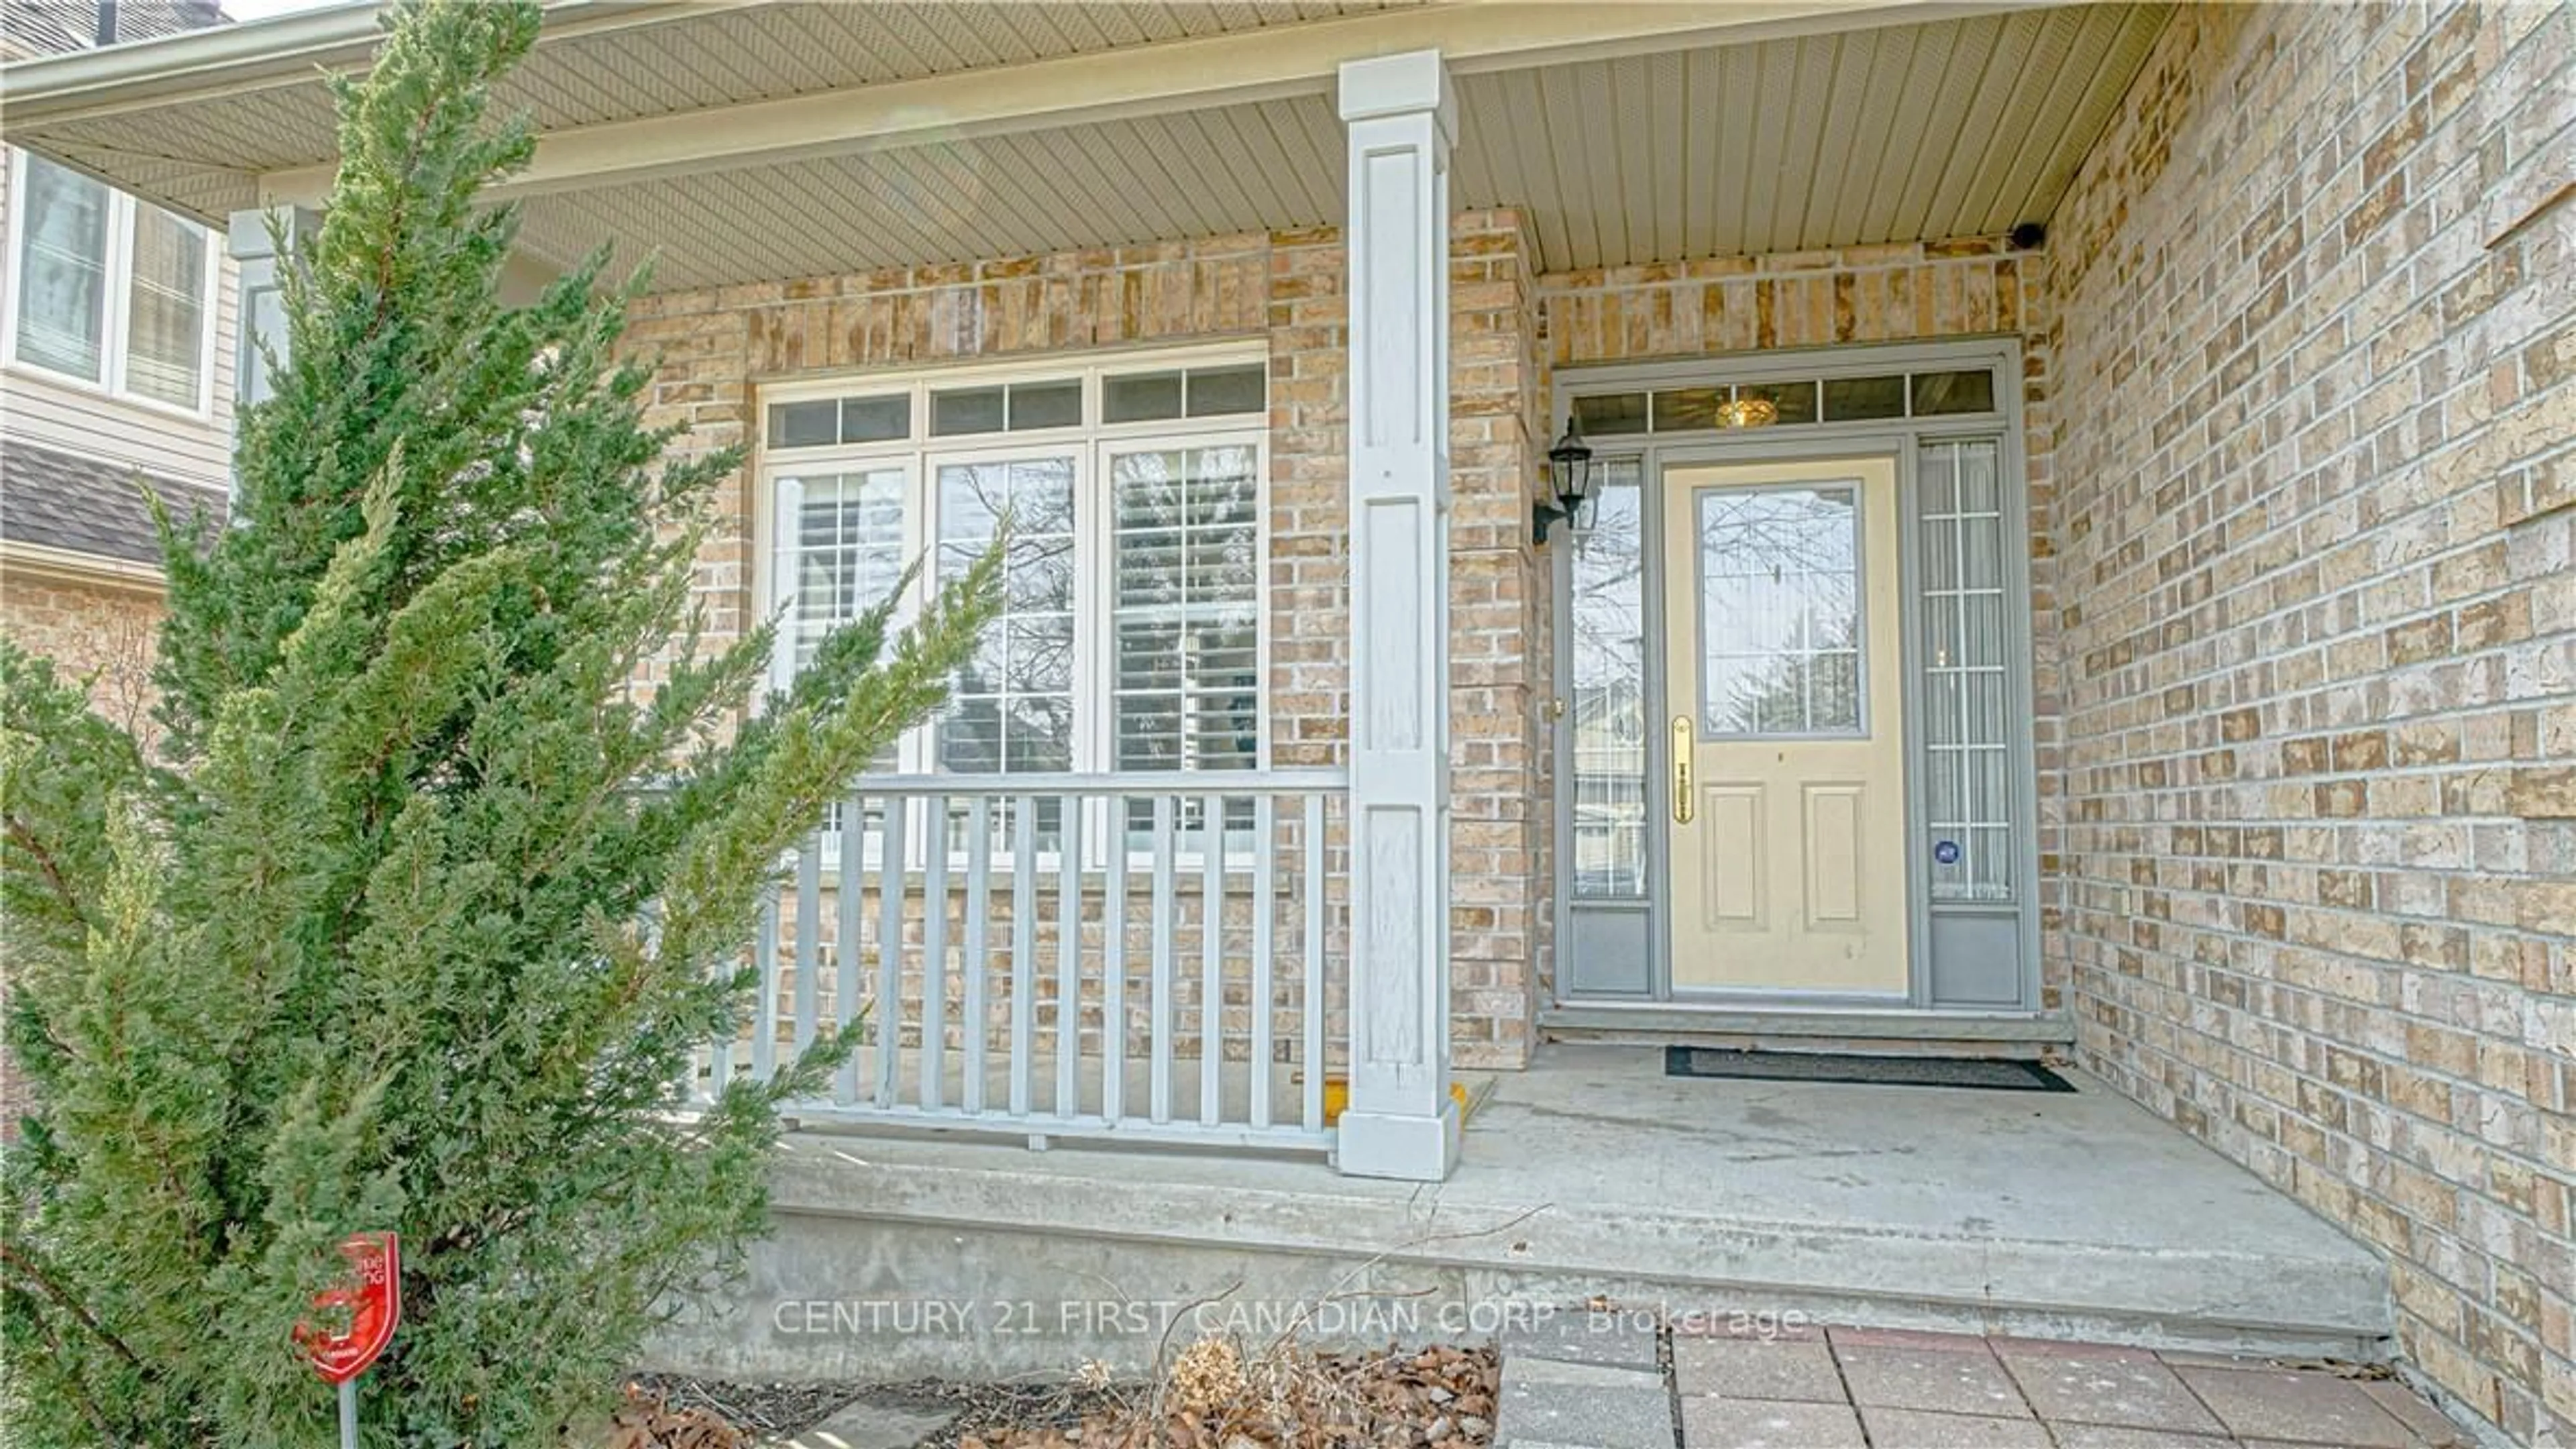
<point>2062,1216</point>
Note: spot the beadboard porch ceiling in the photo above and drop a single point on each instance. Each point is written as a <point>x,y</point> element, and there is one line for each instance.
<point>756,142</point>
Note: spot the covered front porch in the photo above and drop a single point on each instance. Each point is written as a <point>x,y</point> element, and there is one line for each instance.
<point>1294,951</point>
<point>1589,1176</point>
<point>2267,301</point>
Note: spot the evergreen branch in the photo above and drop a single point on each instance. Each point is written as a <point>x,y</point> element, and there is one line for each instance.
<point>26,1266</point>
<point>24,836</point>
<point>403,790</point>
<point>70,1376</point>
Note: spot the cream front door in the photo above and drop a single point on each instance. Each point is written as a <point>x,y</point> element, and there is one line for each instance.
<point>1787,750</point>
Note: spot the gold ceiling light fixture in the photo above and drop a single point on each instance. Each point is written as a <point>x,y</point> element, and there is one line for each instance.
<point>1747,412</point>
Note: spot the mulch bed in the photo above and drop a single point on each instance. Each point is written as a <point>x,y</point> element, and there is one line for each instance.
<point>1212,1396</point>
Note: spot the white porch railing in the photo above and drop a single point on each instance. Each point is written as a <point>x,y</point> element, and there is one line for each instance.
<point>1138,957</point>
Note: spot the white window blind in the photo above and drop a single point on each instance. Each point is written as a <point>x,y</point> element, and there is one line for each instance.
<point>840,551</point>
<point>165,331</point>
<point>1186,618</point>
<point>1131,632</point>
<point>62,271</point>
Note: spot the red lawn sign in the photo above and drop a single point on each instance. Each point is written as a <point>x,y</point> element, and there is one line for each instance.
<point>372,1295</point>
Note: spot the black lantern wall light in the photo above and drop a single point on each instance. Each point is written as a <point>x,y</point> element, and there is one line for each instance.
<point>1569,480</point>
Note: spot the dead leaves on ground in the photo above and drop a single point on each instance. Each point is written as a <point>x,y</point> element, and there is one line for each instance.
<point>1215,1397</point>
<point>647,1420</point>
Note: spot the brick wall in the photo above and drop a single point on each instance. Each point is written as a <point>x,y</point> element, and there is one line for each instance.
<point>1915,292</point>
<point>103,631</point>
<point>718,347</point>
<point>2316,453</point>
<point>1501,648</point>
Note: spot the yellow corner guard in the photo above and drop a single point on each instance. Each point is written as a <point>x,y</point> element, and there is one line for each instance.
<point>1337,1095</point>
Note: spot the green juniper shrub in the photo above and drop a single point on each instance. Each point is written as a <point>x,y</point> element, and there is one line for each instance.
<point>360,942</point>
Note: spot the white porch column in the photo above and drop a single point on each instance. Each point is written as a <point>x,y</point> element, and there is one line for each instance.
<point>1402,122</point>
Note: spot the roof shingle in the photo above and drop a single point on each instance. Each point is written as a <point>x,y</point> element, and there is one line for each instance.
<point>84,505</point>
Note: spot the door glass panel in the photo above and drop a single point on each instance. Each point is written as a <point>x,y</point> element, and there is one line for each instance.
<point>1966,663</point>
<point>1609,655</point>
<point>1780,610</point>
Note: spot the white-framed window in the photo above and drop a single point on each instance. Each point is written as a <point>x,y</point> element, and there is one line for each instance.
<point>108,292</point>
<point>1132,636</point>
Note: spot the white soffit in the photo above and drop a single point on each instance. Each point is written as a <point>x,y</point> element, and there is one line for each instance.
<point>198,135</point>
<point>1953,127</point>
<point>1896,133</point>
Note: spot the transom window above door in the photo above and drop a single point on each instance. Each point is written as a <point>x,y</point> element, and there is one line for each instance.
<point>1131,636</point>
<point>1786,402</point>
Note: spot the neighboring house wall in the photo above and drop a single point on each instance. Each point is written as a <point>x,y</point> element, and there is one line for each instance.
<point>60,413</point>
<point>80,567</point>
<point>2316,465</point>
<point>1912,292</point>
<point>78,564</point>
<point>91,628</point>
<point>718,347</point>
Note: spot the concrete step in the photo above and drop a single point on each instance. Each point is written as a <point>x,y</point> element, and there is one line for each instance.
<point>2067,1216</point>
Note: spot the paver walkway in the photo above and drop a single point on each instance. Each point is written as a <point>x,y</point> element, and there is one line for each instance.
<point>1853,1388</point>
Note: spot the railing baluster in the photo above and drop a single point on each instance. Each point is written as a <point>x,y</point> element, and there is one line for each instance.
<point>1211,959</point>
<point>1140,1020</point>
<point>1113,968</point>
<point>1160,1080</point>
<point>1265,823</point>
<point>1024,943</point>
<point>764,1015</point>
<point>1068,959</point>
<point>848,981</point>
<point>889,1003</point>
<point>809,939</point>
<point>934,956</point>
<point>1314,983</point>
<point>978,962</point>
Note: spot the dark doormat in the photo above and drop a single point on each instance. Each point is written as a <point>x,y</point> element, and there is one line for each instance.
<point>1993,1074</point>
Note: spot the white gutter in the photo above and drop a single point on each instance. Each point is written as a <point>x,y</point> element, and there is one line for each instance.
<point>69,566</point>
<point>280,50</point>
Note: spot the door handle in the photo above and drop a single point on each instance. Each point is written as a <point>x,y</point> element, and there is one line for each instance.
<point>1684,808</point>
